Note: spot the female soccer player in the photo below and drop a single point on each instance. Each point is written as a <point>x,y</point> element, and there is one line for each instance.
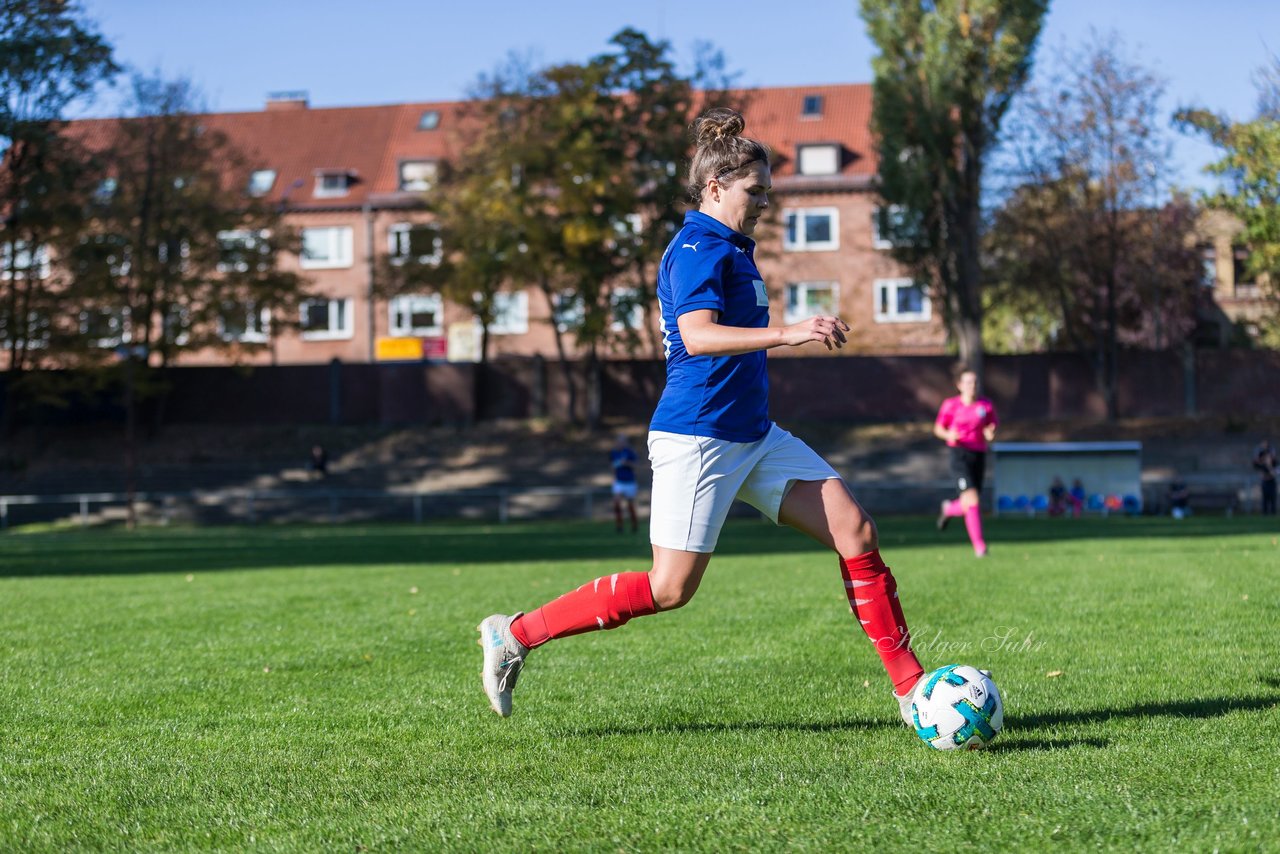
<point>967,423</point>
<point>711,440</point>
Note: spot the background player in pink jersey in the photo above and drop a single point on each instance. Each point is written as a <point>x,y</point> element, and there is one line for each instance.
<point>967,423</point>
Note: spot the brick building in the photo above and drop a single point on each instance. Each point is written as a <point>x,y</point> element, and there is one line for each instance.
<point>351,180</point>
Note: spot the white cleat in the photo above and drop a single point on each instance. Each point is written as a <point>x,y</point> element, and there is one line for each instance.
<point>503,660</point>
<point>904,704</point>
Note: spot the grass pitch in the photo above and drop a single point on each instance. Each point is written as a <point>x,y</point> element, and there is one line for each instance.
<point>282,689</point>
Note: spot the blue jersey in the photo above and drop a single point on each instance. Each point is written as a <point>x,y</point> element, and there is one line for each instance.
<point>623,460</point>
<point>710,266</point>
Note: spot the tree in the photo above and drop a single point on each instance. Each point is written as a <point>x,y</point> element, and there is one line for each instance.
<point>50,57</point>
<point>944,78</point>
<point>577,171</point>
<point>174,256</point>
<point>1081,236</point>
<point>1249,171</point>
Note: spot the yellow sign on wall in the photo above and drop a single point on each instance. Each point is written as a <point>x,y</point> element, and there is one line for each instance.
<point>397,349</point>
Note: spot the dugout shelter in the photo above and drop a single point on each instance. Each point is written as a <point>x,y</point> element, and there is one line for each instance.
<point>1111,473</point>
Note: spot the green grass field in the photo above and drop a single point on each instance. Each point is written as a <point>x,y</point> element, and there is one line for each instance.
<point>284,689</point>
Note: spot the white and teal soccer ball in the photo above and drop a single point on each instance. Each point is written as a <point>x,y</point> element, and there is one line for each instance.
<point>957,707</point>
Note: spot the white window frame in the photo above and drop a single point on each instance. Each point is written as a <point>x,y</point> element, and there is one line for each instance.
<point>892,315</point>
<point>795,315</point>
<point>510,313</point>
<point>568,311</point>
<point>418,185</point>
<point>636,321</point>
<point>341,320</point>
<point>341,245</point>
<point>260,186</point>
<point>398,243</point>
<point>808,154</point>
<point>335,192</point>
<point>253,239</point>
<point>249,335</point>
<point>27,260</point>
<point>401,308</point>
<point>801,244</point>
<point>117,322</point>
<point>878,240</point>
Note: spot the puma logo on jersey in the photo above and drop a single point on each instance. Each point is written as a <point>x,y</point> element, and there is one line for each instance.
<point>693,246</point>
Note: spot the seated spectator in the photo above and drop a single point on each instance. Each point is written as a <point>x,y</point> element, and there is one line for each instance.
<point>1076,497</point>
<point>319,464</point>
<point>1057,497</point>
<point>1179,498</point>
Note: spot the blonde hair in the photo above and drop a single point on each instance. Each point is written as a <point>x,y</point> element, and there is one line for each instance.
<point>722,152</point>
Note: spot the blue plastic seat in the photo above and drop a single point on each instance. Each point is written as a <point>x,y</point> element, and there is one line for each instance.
<point>1040,504</point>
<point>1096,502</point>
<point>1022,503</point>
<point>1132,505</point>
<point>1004,503</point>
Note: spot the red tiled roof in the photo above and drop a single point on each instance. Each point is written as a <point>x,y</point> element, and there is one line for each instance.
<point>371,142</point>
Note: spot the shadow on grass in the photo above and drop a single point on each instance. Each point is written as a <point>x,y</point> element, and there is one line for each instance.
<point>689,727</point>
<point>1208,707</point>
<point>1200,708</point>
<point>1012,745</point>
<point>162,550</point>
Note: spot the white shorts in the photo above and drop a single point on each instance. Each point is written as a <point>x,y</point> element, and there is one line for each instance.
<point>696,478</point>
<point>624,490</point>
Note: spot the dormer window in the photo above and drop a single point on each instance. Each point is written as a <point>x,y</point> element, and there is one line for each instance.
<point>812,108</point>
<point>417,176</point>
<point>261,182</point>
<point>818,159</point>
<point>429,120</point>
<point>331,183</point>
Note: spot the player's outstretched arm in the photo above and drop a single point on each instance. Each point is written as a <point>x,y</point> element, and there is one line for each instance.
<point>703,335</point>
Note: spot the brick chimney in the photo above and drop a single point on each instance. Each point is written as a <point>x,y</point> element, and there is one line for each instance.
<point>296,100</point>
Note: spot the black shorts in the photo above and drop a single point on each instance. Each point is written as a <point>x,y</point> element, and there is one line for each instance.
<point>969,467</point>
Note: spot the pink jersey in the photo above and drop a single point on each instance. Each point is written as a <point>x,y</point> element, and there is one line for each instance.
<point>967,421</point>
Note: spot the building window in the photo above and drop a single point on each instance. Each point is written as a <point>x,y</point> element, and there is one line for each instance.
<point>242,250</point>
<point>19,261</point>
<point>326,319</point>
<point>429,120</point>
<point>326,248</point>
<point>105,327</point>
<point>886,224</point>
<point>818,159</point>
<point>411,241</point>
<point>1208,266</point>
<point>332,184</point>
<point>34,337</point>
<point>901,301</point>
<point>106,190</point>
<point>417,314</point>
<point>261,181</point>
<point>811,229</point>
<point>510,313</point>
<point>244,322</point>
<point>569,312</point>
<point>1240,266</point>
<point>417,176</point>
<point>812,108</point>
<point>810,299</point>
<point>177,325</point>
<point>625,310</point>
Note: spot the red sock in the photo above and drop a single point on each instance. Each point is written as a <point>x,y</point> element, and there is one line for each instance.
<point>617,515</point>
<point>873,598</point>
<point>605,603</point>
<point>973,524</point>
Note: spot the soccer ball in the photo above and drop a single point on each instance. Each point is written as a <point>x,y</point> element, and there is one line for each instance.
<point>957,707</point>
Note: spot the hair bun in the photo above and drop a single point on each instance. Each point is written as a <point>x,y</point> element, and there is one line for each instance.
<point>718,123</point>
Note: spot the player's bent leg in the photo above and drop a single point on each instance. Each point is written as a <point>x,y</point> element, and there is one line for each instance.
<point>828,512</point>
<point>675,576</point>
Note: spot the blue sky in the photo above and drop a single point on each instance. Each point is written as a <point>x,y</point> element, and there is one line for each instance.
<point>385,51</point>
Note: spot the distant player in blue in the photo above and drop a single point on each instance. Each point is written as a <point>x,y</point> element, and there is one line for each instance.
<point>711,440</point>
<point>623,460</point>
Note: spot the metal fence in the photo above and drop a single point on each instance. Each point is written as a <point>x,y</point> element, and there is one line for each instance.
<point>251,506</point>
